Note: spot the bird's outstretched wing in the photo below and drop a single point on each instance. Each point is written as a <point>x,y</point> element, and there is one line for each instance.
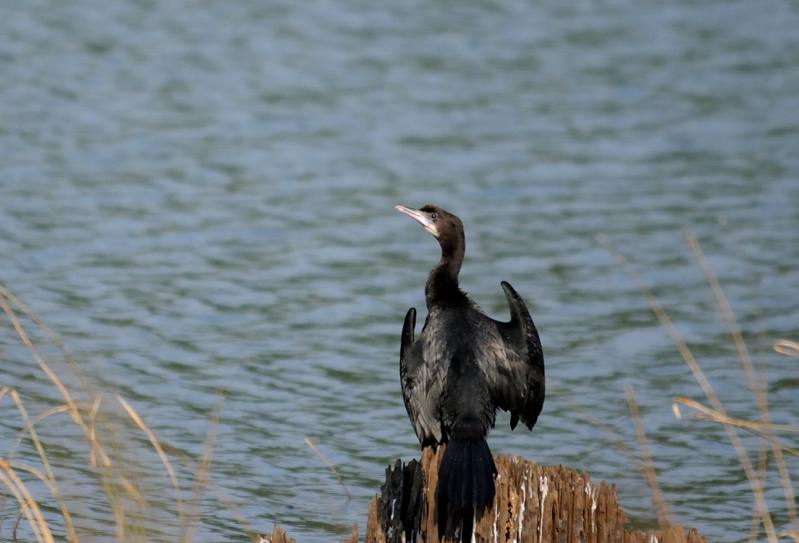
<point>420,389</point>
<point>515,372</point>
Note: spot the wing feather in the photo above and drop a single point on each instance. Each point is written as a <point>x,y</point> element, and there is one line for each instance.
<point>516,370</point>
<point>420,389</point>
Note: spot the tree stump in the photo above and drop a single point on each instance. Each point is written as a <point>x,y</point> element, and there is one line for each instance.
<point>278,535</point>
<point>533,504</point>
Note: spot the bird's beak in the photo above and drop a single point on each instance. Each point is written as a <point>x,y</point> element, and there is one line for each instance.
<point>420,217</point>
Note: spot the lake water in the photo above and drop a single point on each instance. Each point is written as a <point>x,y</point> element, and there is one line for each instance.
<point>198,197</point>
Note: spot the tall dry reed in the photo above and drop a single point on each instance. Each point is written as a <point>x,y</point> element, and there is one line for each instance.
<point>50,516</point>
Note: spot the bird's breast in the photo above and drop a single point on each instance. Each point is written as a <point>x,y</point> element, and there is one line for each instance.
<point>451,331</point>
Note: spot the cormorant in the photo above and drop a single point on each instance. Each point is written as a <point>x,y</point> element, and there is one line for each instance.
<point>462,368</point>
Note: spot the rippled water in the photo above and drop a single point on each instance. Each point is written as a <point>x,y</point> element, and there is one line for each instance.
<point>198,197</point>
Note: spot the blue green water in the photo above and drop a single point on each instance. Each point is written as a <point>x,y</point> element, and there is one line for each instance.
<point>198,197</point>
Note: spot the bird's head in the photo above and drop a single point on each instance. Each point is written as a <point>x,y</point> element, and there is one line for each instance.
<point>443,225</point>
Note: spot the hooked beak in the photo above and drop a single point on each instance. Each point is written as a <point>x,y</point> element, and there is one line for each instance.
<point>420,217</point>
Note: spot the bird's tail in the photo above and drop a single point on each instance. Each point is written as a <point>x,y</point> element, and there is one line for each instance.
<point>465,486</point>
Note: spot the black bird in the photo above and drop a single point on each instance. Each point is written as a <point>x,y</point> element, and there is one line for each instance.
<point>462,368</point>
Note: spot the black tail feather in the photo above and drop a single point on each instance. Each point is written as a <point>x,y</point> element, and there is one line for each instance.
<point>467,526</point>
<point>465,486</point>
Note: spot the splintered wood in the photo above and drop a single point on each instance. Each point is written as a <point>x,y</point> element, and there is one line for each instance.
<point>278,535</point>
<point>533,504</point>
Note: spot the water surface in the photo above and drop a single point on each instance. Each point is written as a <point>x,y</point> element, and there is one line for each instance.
<point>198,197</point>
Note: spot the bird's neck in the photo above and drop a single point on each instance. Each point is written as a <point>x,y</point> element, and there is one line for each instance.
<point>442,283</point>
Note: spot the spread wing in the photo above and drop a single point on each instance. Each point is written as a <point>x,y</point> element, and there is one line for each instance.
<point>420,387</point>
<point>515,372</point>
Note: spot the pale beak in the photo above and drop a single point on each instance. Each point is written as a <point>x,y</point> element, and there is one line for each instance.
<point>420,217</point>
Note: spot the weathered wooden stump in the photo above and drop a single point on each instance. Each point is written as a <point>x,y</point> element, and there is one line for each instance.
<point>533,504</point>
<point>278,535</point>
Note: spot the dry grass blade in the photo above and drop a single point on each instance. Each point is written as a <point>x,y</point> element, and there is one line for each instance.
<point>647,465</point>
<point>728,315</point>
<point>762,465</point>
<point>16,526</point>
<point>71,536</point>
<point>133,491</point>
<point>232,508</point>
<point>215,490</point>
<point>93,430</point>
<point>26,503</point>
<point>3,391</point>
<point>63,408</point>
<point>711,414</point>
<point>704,383</point>
<point>52,336</point>
<point>329,464</point>
<point>158,449</point>
<point>115,502</point>
<point>201,478</point>
<point>18,466</point>
<point>23,336</point>
<point>23,510</point>
<point>787,347</point>
<point>758,389</point>
<point>668,325</point>
<point>21,433</point>
<point>705,413</point>
<point>614,438</point>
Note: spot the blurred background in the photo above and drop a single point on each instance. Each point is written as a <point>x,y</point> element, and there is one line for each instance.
<point>197,197</point>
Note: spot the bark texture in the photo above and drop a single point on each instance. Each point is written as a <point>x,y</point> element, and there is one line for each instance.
<point>278,535</point>
<point>533,504</point>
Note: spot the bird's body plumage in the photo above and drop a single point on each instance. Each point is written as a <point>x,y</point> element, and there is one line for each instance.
<point>474,362</point>
<point>462,368</point>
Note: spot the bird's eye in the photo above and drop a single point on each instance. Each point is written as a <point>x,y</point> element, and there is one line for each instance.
<point>434,215</point>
